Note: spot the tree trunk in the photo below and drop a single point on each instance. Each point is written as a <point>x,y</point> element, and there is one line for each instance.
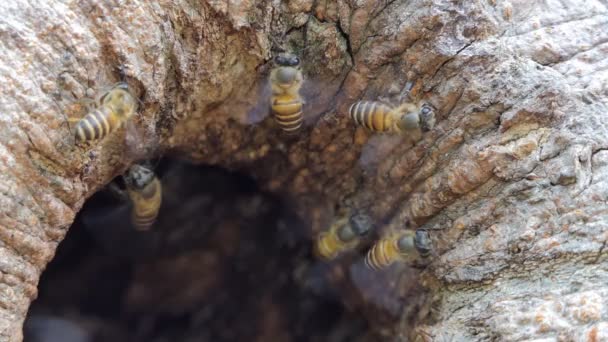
<point>511,182</point>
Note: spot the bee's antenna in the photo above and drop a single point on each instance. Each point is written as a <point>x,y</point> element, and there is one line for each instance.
<point>407,91</point>
<point>277,46</point>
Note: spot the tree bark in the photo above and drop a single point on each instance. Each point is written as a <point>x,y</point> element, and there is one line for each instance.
<point>511,182</point>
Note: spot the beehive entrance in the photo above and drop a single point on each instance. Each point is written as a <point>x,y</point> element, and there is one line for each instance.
<point>225,262</point>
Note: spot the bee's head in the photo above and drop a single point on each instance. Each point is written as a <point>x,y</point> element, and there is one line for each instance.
<point>286,59</point>
<point>422,242</point>
<point>427,118</point>
<point>138,176</point>
<point>361,223</point>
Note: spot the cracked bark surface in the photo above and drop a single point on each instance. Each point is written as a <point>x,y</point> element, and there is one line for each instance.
<point>511,181</point>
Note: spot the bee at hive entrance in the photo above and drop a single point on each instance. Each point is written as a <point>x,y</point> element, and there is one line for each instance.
<point>214,266</point>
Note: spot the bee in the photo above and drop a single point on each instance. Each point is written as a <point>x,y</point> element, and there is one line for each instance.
<point>399,247</point>
<point>145,191</point>
<point>114,108</point>
<point>286,103</point>
<point>380,117</point>
<point>343,235</point>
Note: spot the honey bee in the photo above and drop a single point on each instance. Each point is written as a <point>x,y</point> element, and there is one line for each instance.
<point>343,235</point>
<point>286,103</point>
<point>399,247</point>
<point>145,191</point>
<point>380,117</point>
<point>114,108</point>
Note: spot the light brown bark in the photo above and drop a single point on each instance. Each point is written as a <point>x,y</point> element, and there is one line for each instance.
<point>510,181</point>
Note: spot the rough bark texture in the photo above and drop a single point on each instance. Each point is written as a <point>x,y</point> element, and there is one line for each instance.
<point>511,181</point>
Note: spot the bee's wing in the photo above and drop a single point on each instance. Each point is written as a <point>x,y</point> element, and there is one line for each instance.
<point>376,149</point>
<point>141,140</point>
<point>384,288</point>
<point>318,95</point>
<point>261,109</point>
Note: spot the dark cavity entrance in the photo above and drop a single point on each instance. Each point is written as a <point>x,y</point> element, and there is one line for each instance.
<point>224,262</point>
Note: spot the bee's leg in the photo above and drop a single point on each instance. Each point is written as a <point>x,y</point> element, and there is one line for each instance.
<point>406,92</point>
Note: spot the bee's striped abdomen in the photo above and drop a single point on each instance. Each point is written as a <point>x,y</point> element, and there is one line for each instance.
<point>328,245</point>
<point>287,111</point>
<point>146,204</point>
<point>93,126</point>
<point>374,116</point>
<point>96,125</point>
<point>382,254</point>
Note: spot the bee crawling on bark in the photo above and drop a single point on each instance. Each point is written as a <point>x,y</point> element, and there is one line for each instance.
<point>399,247</point>
<point>343,235</point>
<point>286,103</point>
<point>113,108</point>
<point>379,117</point>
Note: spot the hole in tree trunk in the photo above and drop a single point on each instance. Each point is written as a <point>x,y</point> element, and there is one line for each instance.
<point>224,262</point>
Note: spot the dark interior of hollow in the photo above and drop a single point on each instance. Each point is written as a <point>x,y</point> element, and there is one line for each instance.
<point>225,261</point>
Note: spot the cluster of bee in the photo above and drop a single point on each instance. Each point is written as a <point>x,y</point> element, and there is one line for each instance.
<point>118,104</point>
<point>286,105</point>
<point>113,108</point>
<point>407,118</point>
<point>346,233</point>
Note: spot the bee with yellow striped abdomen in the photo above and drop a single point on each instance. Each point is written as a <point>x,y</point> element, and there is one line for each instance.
<point>399,247</point>
<point>343,235</point>
<point>380,117</point>
<point>114,108</point>
<point>145,191</point>
<point>286,103</point>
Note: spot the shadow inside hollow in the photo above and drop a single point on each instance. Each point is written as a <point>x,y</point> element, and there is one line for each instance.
<point>214,267</point>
